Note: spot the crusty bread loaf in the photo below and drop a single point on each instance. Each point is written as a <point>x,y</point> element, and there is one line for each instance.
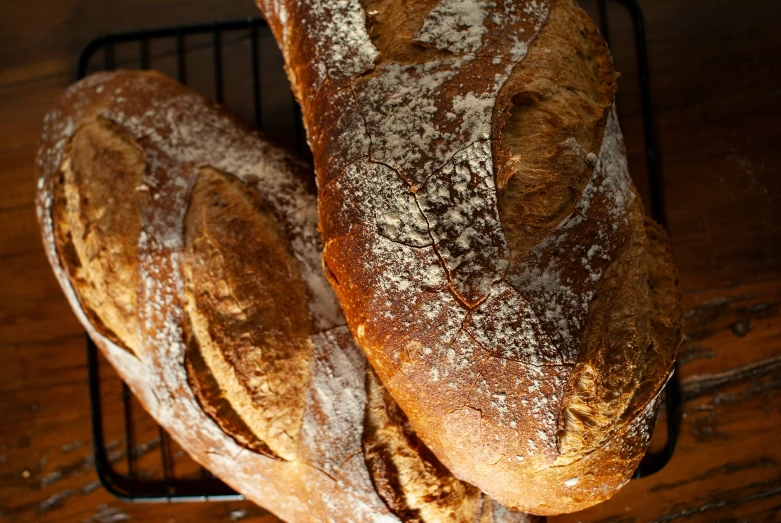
<point>187,246</point>
<point>483,235</point>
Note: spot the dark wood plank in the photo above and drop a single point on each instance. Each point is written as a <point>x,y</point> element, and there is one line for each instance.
<point>17,186</point>
<point>715,78</point>
<point>46,467</point>
<point>709,50</point>
<point>722,189</point>
<point>42,38</point>
<point>700,51</point>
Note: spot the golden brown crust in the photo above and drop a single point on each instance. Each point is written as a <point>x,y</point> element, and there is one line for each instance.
<point>548,122</point>
<point>97,232</point>
<point>408,477</point>
<point>629,342</point>
<point>481,228</point>
<point>666,302</point>
<point>213,402</point>
<point>247,307</point>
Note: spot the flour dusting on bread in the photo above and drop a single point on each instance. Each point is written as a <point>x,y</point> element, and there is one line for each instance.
<point>477,330</point>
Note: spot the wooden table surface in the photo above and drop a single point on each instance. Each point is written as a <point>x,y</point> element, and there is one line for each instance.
<point>716,77</point>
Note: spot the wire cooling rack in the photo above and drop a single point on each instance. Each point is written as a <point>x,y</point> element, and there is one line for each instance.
<point>134,458</point>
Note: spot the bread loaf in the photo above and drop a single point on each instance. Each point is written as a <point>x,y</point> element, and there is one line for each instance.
<point>187,246</point>
<point>483,235</point>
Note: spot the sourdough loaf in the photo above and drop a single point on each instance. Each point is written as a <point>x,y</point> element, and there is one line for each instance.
<point>187,246</point>
<point>483,235</point>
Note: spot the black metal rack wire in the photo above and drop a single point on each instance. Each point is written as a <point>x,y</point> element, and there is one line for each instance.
<point>130,485</point>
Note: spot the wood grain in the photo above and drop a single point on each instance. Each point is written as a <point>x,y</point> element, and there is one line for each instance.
<point>715,79</point>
